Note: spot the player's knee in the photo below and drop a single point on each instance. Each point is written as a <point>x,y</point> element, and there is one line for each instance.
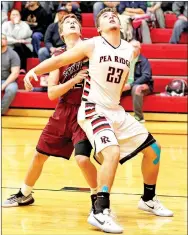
<point>39,159</point>
<point>158,145</point>
<point>82,161</point>
<point>111,153</point>
<point>157,149</point>
<point>83,148</point>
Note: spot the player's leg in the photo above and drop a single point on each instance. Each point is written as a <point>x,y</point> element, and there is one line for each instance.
<point>101,217</point>
<point>24,196</point>
<point>50,143</point>
<point>108,168</point>
<point>105,142</point>
<point>106,175</point>
<point>33,173</point>
<point>89,171</point>
<point>83,150</point>
<point>134,138</point>
<point>150,169</point>
<point>151,160</point>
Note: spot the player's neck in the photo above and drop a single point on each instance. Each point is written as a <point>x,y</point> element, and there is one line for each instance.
<point>71,41</point>
<point>112,37</point>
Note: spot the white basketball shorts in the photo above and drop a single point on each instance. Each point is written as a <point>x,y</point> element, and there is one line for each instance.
<point>106,127</point>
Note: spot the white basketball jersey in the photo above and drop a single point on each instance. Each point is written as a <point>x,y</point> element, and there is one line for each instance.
<point>108,68</point>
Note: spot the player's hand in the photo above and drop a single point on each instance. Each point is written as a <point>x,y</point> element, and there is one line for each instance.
<point>28,78</point>
<point>80,76</point>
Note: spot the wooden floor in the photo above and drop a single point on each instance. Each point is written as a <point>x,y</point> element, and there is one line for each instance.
<point>58,210</point>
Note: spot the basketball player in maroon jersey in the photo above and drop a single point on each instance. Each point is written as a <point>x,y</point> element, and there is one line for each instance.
<point>62,133</point>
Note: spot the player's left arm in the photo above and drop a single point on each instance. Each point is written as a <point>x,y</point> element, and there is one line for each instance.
<point>77,53</point>
<point>56,90</point>
<point>71,56</point>
<point>53,81</point>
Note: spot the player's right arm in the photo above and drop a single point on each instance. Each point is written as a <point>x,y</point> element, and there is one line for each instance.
<point>77,53</point>
<point>56,90</point>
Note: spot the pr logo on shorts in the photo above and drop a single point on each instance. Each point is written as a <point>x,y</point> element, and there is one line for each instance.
<point>104,139</point>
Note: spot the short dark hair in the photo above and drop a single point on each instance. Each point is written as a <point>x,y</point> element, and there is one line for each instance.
<point>107,9</point>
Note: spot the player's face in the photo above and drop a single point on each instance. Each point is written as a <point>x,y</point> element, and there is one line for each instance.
<point>109,21</point>
<point>70,26</point>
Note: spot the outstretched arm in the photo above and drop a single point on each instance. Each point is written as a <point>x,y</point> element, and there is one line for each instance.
<point>77,53</point>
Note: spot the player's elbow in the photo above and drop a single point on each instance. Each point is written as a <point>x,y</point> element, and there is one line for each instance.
<point>51,95</point>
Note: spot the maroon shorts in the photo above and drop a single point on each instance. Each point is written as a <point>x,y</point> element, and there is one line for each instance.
<point>61,133</point>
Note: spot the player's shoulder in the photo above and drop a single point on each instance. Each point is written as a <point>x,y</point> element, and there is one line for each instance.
<point>126,44</point>
<point>87,46</point>
<point>89,40</point>
<point>99,39</point>
<point>92,40</point>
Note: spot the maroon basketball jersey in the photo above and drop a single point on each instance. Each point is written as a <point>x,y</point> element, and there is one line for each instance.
<point>74,95</point>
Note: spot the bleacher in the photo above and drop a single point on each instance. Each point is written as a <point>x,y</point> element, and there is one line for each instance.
<point>168,62</point>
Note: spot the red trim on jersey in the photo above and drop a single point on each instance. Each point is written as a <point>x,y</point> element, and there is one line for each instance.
<point>87,85</point>
<point>101,127</point>
<point>89,105</point>
<point>89,111</point>
<point>98,120</point>
<point>86,93</point>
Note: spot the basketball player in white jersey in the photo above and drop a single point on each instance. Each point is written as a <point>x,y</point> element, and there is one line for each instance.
<point>115,135</point>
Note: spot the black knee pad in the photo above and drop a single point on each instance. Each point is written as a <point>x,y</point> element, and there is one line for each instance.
<point>83,148</point>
